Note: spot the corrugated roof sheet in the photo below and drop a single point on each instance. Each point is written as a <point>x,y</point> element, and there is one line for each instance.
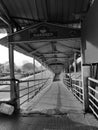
<point>22,13</point>
<point>26,12</point>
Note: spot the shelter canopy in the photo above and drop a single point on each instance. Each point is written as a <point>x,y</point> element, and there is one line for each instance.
<point>50,30</point>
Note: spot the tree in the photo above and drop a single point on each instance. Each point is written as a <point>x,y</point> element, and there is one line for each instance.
<point>28,67</point>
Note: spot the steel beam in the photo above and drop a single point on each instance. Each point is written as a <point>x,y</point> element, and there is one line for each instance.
<point>39,48</point>
<point>74,49</point>
<point>6,15</point>
<point>34,69</point>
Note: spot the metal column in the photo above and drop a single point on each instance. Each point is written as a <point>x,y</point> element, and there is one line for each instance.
<point>75,62</point>
<point>34,69</point>
<point>14,90</point>
<point>85,75</point>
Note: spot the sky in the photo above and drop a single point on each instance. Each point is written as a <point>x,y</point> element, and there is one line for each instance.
<point>19,58</point>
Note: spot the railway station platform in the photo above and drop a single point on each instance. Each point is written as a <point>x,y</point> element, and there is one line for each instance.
<point>54,108</point>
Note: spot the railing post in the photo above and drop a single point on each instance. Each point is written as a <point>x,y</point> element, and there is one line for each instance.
<point>34,68</point>
<point>85,75</point>
<point>41,71</point>
<point>28,90</point>
<point>75,62</point>
<point>17,95</point>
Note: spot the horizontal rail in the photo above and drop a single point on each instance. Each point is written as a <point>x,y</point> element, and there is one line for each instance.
<point>4,90</point>
<point>93,97</point>
<point>93,104</point>
<point>93,89</point>
<point>35,90</point>
<point>30,86</point>
<point>78,97</point>
<point>5,84</point>
<point>93,111</point>
<point>77,86</point>
<point>8,79</point>
<point>78,92</point>
<point>77,89</point>
<point>93,80</point>
<point>76,79</point>
<point>23,102</point>
<point>21,81</point>
<point>66,78</point>
<point>67,81</point>
<point>23,95</point>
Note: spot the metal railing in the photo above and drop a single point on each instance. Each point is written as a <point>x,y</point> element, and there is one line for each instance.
<point>29,88</point>
<point>26,89</point>
<point>75,85</point>
<point>5,89</point>
<point>93,95</point>
<point>67,82</point>
<point>77,89</point>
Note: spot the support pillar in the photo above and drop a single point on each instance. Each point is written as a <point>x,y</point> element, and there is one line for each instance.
<point>85,74</point>
<point>14,89</point>
<point>34,68</point>
<point>70,76</point>
<point>75,62</point>
<point>41,71</point>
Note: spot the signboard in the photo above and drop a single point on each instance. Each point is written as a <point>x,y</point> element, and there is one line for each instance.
<point>44,31</point>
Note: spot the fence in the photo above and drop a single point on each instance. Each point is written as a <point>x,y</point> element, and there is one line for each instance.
<point>77,89</point>
<point>5,89</point>
<point>93,95</point>
<point>67,81</point>
<point>29,88</point>
<point>76,86</point>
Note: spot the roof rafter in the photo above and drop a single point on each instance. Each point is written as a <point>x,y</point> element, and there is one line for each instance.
<point>39,48</point>
<point>58,57</point>
<point>57,52</point>
<point>27,19</point>
<point>7,16</point>
<point>34,20</point>
<point>73,48</point>
<point>52,59</point>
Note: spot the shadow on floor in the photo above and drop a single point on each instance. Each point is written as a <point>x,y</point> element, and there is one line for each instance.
<point>41,122</point>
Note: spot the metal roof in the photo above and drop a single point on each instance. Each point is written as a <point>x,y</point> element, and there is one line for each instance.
<point>64,13</point>
<point>26,12</point>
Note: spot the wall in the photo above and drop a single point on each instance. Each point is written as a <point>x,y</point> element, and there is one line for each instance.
<point>90,34</point>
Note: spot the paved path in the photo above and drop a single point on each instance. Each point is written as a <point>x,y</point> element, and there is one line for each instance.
<point>56,97</point>
<point>53,100</point>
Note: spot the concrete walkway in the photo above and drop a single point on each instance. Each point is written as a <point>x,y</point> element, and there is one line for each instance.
<point>58,99</point>
<point>61,111</point>
<point>55,97</point>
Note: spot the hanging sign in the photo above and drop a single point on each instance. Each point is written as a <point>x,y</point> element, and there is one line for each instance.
<point>44,31</point>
